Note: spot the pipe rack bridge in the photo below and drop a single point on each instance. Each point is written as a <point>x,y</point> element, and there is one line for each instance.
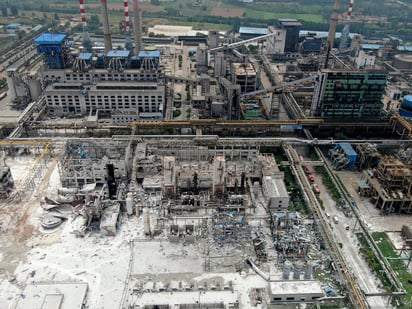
<point>204,123</point>
<point>398,122</point>
<point>240,43</point>
<point>355,295</point>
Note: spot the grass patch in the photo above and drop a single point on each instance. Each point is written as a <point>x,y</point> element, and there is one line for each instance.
<point>265,15</point>
<point>297,203</point>
<point>177,113</point>
<point>373,262</point>
<point>386,247</point>
<point>330,185</point>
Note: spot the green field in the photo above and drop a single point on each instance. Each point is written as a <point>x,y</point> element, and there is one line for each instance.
<point>388,17</point>
<point>388,251</point>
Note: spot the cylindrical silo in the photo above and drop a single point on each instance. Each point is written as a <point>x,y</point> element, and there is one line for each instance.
<point>287,267</point>
<point>406,107</point>
<point>201,55</point>
<point>34,86</point>
<point>146,221</point>
<point>308,271</point>
<point>213,39</point>
<point>297,269</point>
<point>129,203</point>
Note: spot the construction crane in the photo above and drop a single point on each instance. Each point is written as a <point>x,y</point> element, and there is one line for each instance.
<point>345,32</point>
<point>332,31</point>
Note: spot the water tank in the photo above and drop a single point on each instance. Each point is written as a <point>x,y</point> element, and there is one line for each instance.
<point>308,271</point>
<point>129,203</point>
<point>146,221</point>
<point>297,270</point>
<point>406,107</point>
<point>34,86</point>
<point>287,267</point>
<point>255,188</point>
<point>213,39</point>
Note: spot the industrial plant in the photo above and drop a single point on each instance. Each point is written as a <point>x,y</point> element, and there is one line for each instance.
<point>198,169</point>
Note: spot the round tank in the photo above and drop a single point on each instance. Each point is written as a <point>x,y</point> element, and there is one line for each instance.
<point>146,221</point>
<point>256,188</point>
<point>34,87</point>
<point>308,271</point>
<point>129,203</point>
<point>297,270</point>
<point>287,267</point>
<point>406,107</point>
<point>407,102</point>
<point>150,48</point>
<point>405,113</point>
<point>12,89</point>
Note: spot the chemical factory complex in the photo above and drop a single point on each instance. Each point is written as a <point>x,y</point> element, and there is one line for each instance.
<point>184,171</point>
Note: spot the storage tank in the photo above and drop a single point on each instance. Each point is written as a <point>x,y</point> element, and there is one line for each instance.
<point>402,62</point>
<point>406,107</point>
<point>308,271</point>
<point>129,203</point>
<point>213,39</point>
<point>146,221</point>
<point>34,86</point>
<point>297,270</point>
<point>287,267</point>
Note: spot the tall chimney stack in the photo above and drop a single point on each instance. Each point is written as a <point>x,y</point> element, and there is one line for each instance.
<point>129,44</point>
<point>82,12</point>
<point>137,27</point>
<point>106,30</point>
<point>86,42</point>
<point>332,31</point>
<point>126,15</point>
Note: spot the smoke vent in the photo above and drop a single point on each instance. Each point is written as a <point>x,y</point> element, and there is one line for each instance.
<point>106,30</point>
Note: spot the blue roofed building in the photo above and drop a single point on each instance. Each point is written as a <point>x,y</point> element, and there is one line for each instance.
<point>148,59</point>
<point>55,49</point>
<point>85,56</point>
<point>342,156</point>
<point>84,83</point>
<point>13,28</point>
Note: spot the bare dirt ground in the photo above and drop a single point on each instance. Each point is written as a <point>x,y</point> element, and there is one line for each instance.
<point>18,223</point>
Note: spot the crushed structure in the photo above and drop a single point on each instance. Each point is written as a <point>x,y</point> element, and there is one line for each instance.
<point>389,185</point>
<point>221,204</point>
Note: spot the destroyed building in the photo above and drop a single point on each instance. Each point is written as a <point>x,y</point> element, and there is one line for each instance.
<point>214,199</point>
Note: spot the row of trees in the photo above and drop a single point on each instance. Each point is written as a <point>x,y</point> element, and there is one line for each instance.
<point>13,9</point>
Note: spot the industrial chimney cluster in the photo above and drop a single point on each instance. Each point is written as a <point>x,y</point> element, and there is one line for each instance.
<point>137,27</point>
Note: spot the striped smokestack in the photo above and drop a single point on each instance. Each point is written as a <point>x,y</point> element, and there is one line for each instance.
<point>349,14</point>
<point>332,31</point>
<point>345,31</point>
<point>129,43</point>
<point>82,12</point>
<point>87,43</point>
<point>126,15</point>
<point>137,27</point>
<point>106,29</point>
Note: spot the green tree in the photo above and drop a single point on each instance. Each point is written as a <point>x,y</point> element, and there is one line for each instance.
<point>14,10</point>
<point>94,19</point>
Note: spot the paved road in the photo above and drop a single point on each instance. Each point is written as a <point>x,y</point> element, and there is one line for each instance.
<point>350,247</point>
